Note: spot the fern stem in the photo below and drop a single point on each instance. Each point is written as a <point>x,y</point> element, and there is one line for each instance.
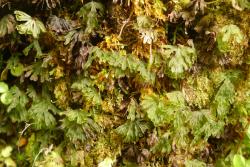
<point>124,24</point>
<point>27,125</point>
<point>151,58</point>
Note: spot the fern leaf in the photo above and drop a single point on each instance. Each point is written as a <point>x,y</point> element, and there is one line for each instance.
<point>204,125</point>
<point>176,98</point>
<point>7,25</point>
<point>79,126</point>
<point>154,105</point>
<point>163,145</point>
<point>180,58</point>
<point>231,42</point>
<point>16,68</point>
<point>125,63</point>
<point>37,71</point>
<point>223,99</point>
<point>159,109</point>
<point>35,44</point>
<point>90,13</point>
<point>229,36</point>
<point>32,26</point>
<point>133,130</point>
<point>40,113</point>
<point>88,90</point>
<point>134,127</point>
<point>17,107</point>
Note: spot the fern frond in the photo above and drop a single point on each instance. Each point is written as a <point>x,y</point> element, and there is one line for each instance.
<point>125,63</point>
<point>179,59</point>
<point>32,26</point>
<point>90,14</point>
<point>163,145</point>
<point>36,71</point>
<point>133,130</point>
<point>154,105</point>
<point>7,25</point>
<point>161,109</point>
<point>88,90</point>
<point>223,99</point>
<point>134,127</point>
<point>79,126</point>
<point>40,113</point>
<point>204,125</point>
<point>241,4</point>
<point>230,41</point>
<point>15,66</point>
<point>17,108</point>
<point>195,163</point>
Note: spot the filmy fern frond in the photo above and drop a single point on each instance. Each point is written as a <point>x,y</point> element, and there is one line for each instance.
<point>161,109</point>
<point>90,14</point>
<point>79,125</point>
<point>223,99</point>
<point>229,36</point>
<point>125,63</point>
<point>163,145</point>
<point>32,26</point>
<point>134,127</point>
<point>7,25</point>
<point>133,130</point>
<point>154,105</point>
<point>17,108</point>
<point>42,113</point>
<point>179,59</point>
<point>88,90</point>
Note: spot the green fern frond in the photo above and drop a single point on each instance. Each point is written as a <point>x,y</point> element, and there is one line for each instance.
<point>204,125</point>
<point>86,86</point>
<point>163,145</point>
<point>154,105</point>
<point>32,26</point>
<point>125,63</point>
<point>230,41</point>
<point>7,25</point>
<point>17,107</point>
<point>179,59</point>
<point>42,113</point>
<point>35,44</point>
<point>90,14</point>
<point>223,99</point>
<point>132,130</point>
<point>79,126</point>
<point>135,127</point>
<point>161,109</point>
<point>15,66</point>
<point>37,71</point>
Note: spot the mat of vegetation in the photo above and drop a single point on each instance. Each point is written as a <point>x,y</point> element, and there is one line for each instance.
<point>113,83</point>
